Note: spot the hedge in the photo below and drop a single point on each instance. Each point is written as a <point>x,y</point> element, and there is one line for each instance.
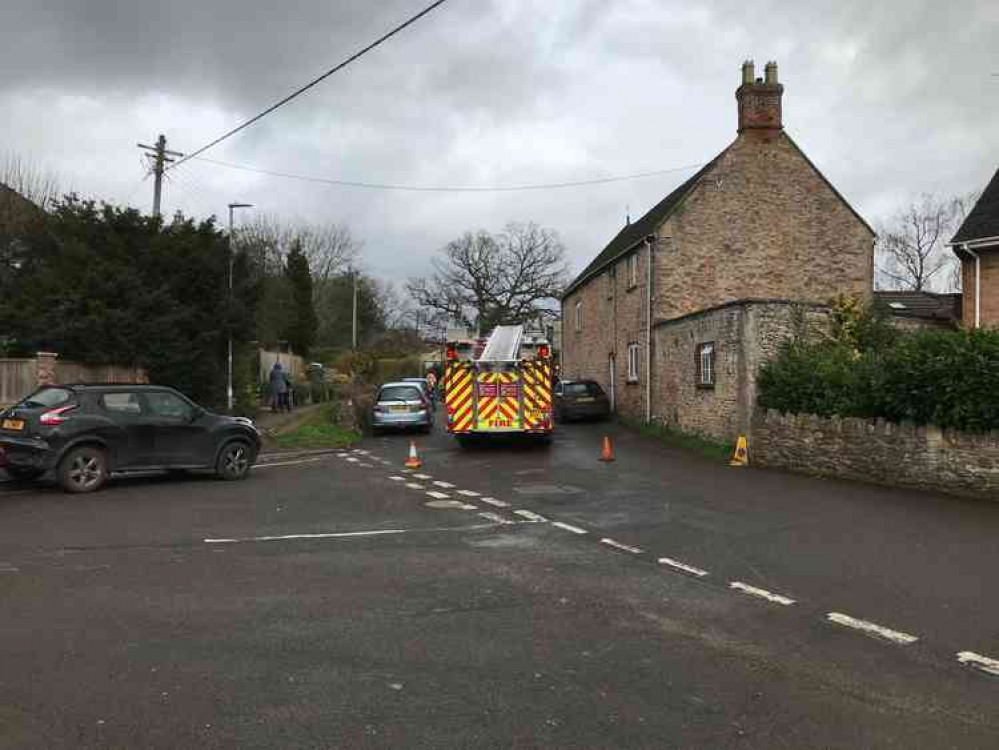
<point>946,378</point>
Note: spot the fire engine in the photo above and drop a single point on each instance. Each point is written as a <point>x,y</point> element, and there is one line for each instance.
<point>500,386</point>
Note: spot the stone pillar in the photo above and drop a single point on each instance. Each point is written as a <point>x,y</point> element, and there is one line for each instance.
<point>45,368</point>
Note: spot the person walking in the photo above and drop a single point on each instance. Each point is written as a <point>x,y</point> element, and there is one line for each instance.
<point>279,388</point>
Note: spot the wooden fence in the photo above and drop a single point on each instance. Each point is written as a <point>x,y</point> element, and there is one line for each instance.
<point>20,377</point>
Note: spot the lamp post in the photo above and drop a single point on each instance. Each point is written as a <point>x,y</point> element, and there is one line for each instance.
<point>228,390</point>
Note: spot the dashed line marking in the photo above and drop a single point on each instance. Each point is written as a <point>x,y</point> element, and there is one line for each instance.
<point>624,547</point>
<point>438,495</point>
<point>494,502</point>
<point>469,493</point>
<point>397,478</point>
<point>567,527</point>
<point>367,466</point>
<point>682,566</point>
<point>353,459</point>
<point>761,593</point>
<point>414,486</point>
<point>871,628</point>
<point>337,535</point>
<point>445,485</point>
<point>979,662</point>
<point>497,518</point>
<point>422,476</point>
<point>531,516</point>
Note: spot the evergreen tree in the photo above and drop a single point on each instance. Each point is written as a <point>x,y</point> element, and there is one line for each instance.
<point>301,332</point>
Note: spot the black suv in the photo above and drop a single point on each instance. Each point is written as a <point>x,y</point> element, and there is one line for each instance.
<point>84,432</point>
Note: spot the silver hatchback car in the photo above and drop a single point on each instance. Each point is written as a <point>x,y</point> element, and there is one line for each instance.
<point>401,406</point>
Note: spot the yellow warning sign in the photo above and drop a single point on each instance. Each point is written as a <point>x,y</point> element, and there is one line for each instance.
<point>741,455</point>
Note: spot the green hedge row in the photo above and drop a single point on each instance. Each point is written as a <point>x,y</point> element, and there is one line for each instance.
<point>946,378</point>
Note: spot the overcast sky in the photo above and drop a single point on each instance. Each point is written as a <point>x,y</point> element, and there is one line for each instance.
<point>889,99</point>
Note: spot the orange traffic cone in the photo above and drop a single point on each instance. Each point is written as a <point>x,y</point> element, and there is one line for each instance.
<point>413,460</point>
<point>607,452</point>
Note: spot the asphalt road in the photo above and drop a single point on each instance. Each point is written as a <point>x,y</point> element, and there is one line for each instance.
<point>331,602</point>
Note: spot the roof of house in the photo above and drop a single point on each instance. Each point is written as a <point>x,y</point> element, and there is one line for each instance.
<point>983,221</point>
<point>923,305</point>
<point>637,231</point>
<point>634,233</point>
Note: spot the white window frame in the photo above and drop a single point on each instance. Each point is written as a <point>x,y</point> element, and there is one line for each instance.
<point>579,315</point>
<point>633,270</point>
<point>634,361</point>
<point>706,364</point>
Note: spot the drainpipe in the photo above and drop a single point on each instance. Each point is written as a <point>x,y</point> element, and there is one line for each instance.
<point>978,285</point>
<point>649,242</point>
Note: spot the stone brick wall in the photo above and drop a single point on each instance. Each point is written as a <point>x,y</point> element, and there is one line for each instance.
<point>925,458</point>
<point>745,335</point>
<point>614,315</point>
<point>761,224</point>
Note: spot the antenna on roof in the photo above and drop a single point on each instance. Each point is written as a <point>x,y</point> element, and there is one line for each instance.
<point>627,215</point>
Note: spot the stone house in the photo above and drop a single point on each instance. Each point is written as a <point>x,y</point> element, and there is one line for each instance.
<point>977,246</point>
<point>677,312</point>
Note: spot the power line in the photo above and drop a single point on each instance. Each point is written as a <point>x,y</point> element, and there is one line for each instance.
<point>450,189</point>
<point>314,82</point>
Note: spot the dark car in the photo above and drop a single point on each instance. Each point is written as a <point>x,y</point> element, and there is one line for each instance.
<point>580,399</point>
<point>85,432</point>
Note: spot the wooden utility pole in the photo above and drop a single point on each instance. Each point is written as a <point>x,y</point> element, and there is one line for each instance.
<point>160,156</point>
<point>353,337</point>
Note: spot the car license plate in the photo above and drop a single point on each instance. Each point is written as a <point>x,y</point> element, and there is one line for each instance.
<point>13,424</point>
<point>400,408</point>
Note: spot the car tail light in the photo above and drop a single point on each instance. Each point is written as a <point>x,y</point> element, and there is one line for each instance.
<point>56,416</point>
<point>543,352</point>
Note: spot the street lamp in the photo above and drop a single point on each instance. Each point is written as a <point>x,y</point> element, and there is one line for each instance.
<point>228,391</point>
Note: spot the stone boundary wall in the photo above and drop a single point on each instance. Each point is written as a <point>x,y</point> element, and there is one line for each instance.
<point>926,458</point>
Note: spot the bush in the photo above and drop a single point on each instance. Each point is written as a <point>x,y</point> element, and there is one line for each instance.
<point>946,378</point>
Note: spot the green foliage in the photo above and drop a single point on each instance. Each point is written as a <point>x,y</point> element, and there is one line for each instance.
<point>101,284</point>
<point>301,332</point>
<point>318,431</point>
<point>946,378</point>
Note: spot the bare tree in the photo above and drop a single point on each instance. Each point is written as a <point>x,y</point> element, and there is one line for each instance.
<point>485,279</point>
<point>329,247</point>
<point>911,251</point>
<point>36,185</point>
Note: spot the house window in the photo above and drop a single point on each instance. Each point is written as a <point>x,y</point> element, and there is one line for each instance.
<point>633,355</point>
<point>633,270</point>
<point>706,365</point>
<point>579,316</point>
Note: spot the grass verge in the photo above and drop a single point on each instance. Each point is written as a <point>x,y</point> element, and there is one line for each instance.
<point>318,431</point>
<point>708,448</point>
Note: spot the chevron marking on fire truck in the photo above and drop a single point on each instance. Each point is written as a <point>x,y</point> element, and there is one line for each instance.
<point>459,396</point>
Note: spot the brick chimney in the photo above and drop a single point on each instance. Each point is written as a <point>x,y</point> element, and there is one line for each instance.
<point>759,99</point>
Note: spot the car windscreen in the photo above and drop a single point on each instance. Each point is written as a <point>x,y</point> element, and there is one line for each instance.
<point>47,398</point>
<point>399,393</point>
<point>583,389</point>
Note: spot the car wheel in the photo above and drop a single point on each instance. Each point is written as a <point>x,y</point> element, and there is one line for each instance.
<point>23,473</point>
<point>234,461</point>
<point>83,469</point>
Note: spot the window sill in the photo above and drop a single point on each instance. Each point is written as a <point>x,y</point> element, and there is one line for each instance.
<point>631,287</point>
<point>631,381</point>
<point>705,386</point>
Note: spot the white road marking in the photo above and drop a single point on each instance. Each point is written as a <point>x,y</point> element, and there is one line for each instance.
<point>285,463</point>
<point>567,527</point>
<point>414,486</point>
<point>469,493</point>
<point>396,478</point>
<point>617,545</point>
<point>422,476</point>
<point>531,516</point>
<point>367,466</point>
<point>872,628</point>
<point>497,518</point>
<point>682,566</point>
<point>439,495</point>
<point>353,460</point>
<point>337,535</point>
<point>445,485</point>
<point>496,503</point>
<point>761,593</point>
<point>983,663</point>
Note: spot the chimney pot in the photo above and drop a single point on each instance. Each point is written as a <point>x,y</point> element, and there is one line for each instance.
<point>748,71</point>
<point>771,73</point>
